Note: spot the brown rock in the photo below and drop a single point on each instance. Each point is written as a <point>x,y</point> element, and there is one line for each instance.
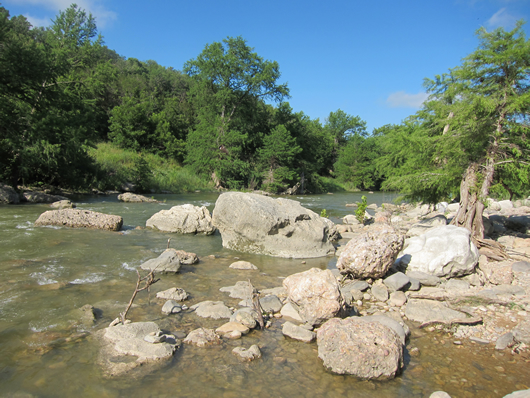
<point>80,219</point>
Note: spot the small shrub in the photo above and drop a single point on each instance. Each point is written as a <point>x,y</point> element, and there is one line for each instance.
<point>361,209</point>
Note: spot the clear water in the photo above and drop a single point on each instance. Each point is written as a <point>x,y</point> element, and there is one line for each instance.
<point>48,273</point>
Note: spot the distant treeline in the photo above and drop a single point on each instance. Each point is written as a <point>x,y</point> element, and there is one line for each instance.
<point>224,116</point>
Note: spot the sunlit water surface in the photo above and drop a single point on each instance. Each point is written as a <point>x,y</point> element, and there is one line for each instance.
<point>47,273</point>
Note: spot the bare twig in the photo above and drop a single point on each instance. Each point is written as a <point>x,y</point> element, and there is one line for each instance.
<point>148,280</point>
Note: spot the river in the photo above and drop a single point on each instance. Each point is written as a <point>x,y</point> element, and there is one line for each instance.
<point>48,273</point>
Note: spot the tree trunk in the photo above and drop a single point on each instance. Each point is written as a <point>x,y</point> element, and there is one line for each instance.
<point>471,207</point>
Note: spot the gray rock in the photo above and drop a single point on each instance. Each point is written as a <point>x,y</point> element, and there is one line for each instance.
<point>443,251</point>
<point>170,261</point>
<point>75,218</point>
<point>212,309</point>
<point>290,311</point>
<point>8,195</point>
<point>245,316</point>
<point>298,333</point>
<point>380,293</point>
<point>316,294</point>
<point>63,204</point>
<point>357,294</point>
<point>505,341</point>
<point>360,285</point>
<point>509,290</point>
<point>41,197</point>
<point>243,265</point>
<point>271,304</point>
<point>521,332</point>
<point>487,294</point>
<point>397,299</point>
<point>241,290</point>
<point>276,227</point>
<point>397,281</point>
<point>368,350</point>
<point>135,198</point>
<point>276,291</point>
<point>521,266</point>
<point>247,355</point>
<point>202,337</point>
<point>184,219</point>
<point>479,340</point>
<point>173,293</point>
<point>171,307</point>
<point>372,254</point>
<point>415,284</point>
<point>424,278</point>
<point>429,310</point>
<point>122,341</point>
<point>456,286</point>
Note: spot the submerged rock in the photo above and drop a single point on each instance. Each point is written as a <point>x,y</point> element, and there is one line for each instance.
<point>80,219</point>
<point>120,342</point>
<point>202,337</point>
<point>247,355</point>
<point>212,309</point>
<point>276,227</point>
<point>298,333</point>
<point>135,198</point>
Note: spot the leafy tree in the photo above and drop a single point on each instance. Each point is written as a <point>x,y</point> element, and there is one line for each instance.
<point>473,129</point>
<point>342,126</point>
<point>228,79</point>
<point>277,156</point>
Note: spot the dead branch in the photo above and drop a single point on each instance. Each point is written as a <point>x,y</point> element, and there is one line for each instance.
<point>148,280</point>
<point>254,298</point>
<point>465,321</point>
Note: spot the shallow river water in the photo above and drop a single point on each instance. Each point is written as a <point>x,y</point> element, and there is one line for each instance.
<point>48,273</point>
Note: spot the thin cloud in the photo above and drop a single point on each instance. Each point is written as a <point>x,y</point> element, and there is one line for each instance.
<point>34,21</point>
<point>502,18</point>
<point>401,99</point>
<point>97,8</point>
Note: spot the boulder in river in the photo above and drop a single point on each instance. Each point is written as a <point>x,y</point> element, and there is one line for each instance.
<point>184,219</point>
<point>8,195</point>
<point>316,295</point>
<point>170,261</point>
<point>135,198</point>
<point>370,255</point>
<point>75,218</point>
<point>276,227</point>
<point>445,251</point>
<point>366,349</point>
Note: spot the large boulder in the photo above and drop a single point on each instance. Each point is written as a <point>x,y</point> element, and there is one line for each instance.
<point>445,251</point>
<point>427,224</point>
<point>184,219</point>
<point>8,195</point>
<point>366,349</point>
<point>80,219</point>
<point>170,261</point>
<point>316,295</point>
<point>371,254</point>
<point>276,227</point>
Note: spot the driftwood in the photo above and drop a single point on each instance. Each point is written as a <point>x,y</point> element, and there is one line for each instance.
<point>254,297</point>
<point>464,321</point>
<point>491,249</point>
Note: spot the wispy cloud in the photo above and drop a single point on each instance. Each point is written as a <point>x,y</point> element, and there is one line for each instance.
<point>502,18</point>
<point>103,15</point>
<point>34,21</point>
<point>401,99</point>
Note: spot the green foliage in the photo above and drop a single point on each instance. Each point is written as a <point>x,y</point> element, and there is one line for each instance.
<point>361,210</point>
<point>324,213</point>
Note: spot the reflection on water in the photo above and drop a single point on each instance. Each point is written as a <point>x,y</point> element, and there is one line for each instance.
<point>47,274</point>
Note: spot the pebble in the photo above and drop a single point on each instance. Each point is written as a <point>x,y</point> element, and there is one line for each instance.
<point>457,342</point>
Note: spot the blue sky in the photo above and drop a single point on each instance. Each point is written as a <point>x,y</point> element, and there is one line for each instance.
<point>368,58</point>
